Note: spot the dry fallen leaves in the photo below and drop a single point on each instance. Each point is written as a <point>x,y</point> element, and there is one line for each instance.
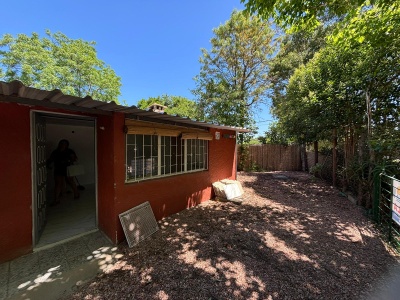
<point>294,238</point>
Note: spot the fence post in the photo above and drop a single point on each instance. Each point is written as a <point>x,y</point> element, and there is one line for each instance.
<point>391,205</point>
<point>377,195</point>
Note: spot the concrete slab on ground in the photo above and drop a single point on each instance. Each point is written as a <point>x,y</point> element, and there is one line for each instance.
<point>55,271</point>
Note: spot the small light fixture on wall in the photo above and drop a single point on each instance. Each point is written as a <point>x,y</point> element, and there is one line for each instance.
<point>217,135</point>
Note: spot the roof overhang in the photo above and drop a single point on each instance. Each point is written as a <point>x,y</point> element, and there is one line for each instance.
<point>16,91</point>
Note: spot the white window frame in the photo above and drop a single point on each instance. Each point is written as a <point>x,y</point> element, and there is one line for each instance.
<point>183,158</point>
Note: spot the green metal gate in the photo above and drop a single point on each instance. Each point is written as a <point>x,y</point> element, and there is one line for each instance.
<point>386,208</point>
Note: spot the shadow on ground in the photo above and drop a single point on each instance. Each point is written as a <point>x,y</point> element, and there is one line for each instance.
<point>293,238</point>
<point>53,272</point>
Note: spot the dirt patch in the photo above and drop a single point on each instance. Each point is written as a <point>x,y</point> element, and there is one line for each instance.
<point>292,238</point>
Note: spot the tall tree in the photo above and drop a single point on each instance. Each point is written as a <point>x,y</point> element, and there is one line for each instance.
<point>276,134</point>
<point>234,74</point>
<point>349,90</point>
<point>295,50</point>
<point>58,62</point>
<point>176,105</point>
<point>351,87</point>
<point>303,14</point>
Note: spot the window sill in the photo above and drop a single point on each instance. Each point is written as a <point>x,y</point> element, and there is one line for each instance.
<point>129,181</point>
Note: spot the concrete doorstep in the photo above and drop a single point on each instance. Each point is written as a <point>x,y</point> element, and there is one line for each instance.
<point>62,284</point>
<point>56,272</point>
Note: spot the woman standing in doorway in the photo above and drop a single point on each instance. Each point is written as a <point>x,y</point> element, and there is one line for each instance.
<point>62,157</point>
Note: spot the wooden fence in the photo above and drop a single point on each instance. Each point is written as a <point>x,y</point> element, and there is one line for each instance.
<point>273,158</point>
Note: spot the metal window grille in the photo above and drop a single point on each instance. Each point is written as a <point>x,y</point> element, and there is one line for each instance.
<point>149,156</point>
<point>138,223</point>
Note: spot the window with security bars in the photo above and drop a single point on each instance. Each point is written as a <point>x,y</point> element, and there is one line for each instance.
<point>196,151</point>
<point>142,155</point>
<point>151,156</point>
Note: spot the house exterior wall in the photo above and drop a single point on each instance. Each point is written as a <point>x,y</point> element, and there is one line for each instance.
<point>166,195</point>
<point>16,224</point>
<point>169,195</point>
<point>105,176</point>
<point>15,181</point>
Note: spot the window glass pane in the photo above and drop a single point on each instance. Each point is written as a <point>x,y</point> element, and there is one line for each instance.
<point>147,139</point>
<point>173,159</point>
<point>134,156</point>
<point>167,146</point>
<point>189,157</point>
<point>154,162</point>
<point>130,157</point>
<point>173,154</point>
<point>154,150</point>
<point>147,151</point>
<point>148,167</point>
<point>182,156</point>
<point>167,165</point>
<point>130,138</point>
<point>193,152</point>
<point>194,147</point>
<point>179,164</point>
<point>139,146</point>
<point>173,150</point>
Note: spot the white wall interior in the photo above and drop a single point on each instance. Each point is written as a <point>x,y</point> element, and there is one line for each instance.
<point>80,134</point>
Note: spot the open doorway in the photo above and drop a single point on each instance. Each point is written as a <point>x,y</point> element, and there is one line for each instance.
<point>72,216</point>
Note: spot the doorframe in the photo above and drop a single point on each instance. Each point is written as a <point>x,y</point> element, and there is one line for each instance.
<point>33,114</point>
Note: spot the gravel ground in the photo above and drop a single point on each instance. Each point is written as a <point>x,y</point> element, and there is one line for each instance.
<point>293,238</point>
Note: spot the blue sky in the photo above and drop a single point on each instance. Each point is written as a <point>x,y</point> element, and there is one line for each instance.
<point>154,46</point>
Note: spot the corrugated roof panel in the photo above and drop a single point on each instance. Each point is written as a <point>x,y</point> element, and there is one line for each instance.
<point>31,93</point>
<point>111,106</point>
<point>128,110</point>
<point>5,88</point>
<point>14,87</point>
<point>22,91</point>
<point>88,102</point>
<point>67,100</point>
<point>54,95</point>
<point>17,88</point>
<point>92,104</point>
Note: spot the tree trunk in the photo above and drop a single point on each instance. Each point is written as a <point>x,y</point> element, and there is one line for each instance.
<point>371,164</point>
<point>334,156</point>
<point>371,158</point>
<point>369,113</point>
<point>315,152</point>
<point>360,193</point>
<point>304,158</point>
<point>348,154</point>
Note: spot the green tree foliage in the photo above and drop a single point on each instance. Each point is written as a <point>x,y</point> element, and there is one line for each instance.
<point>351,85</point>
<point>373,36</point>
<point>58,62</point>
<point>234,74</point>
<point>303,14</point>
<point>331,88</point>
<point>275,135</point>
<point>176,105</point>
<point>295,50</point>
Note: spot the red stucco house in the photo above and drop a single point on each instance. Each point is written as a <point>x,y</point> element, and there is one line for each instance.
<point>130,156</point>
